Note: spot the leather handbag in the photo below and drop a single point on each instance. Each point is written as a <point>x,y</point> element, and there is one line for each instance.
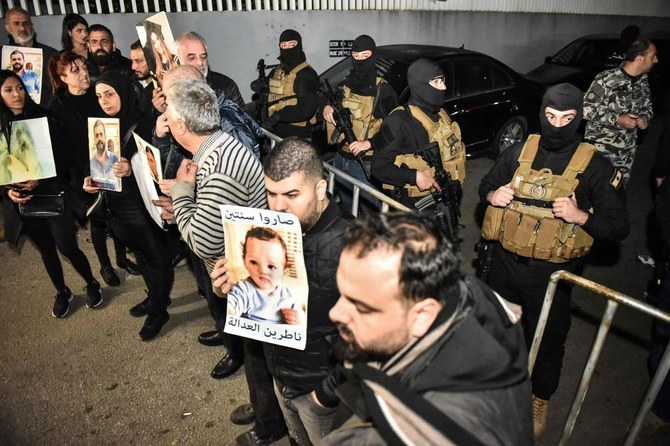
<point>43,206</point>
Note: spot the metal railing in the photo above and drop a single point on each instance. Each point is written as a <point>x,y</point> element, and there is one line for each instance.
<point>614,298</point>
<point>357,186</point>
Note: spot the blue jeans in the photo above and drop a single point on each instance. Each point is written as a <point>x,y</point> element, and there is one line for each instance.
<point>307,422</point>
<point>367,204</point>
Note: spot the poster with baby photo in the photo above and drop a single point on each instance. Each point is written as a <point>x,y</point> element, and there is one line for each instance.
<point>28,154</point>
<point>158,45</point>
<point>146,170</point>
<point>268,301</point>
<point>104,151</point>
<point>28,64</point>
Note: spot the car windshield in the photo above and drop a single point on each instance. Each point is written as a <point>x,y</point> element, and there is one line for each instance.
<point>585,53</point>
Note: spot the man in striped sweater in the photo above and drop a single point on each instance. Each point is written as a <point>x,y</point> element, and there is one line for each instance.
<point>222,171</point>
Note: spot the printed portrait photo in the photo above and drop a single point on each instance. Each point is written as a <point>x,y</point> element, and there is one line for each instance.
<point>28,64</point>
<point>104,152</point>
<point>158,45</point>
<point>28,154</point>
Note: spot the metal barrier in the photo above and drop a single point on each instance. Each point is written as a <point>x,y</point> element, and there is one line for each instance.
<point>614,298</point>
<point>357,185</point>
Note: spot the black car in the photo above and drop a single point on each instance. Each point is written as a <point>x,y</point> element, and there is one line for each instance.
<point>580,61</point>
<point>494,106</point>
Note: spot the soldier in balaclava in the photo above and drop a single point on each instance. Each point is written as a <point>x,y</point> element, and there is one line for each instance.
<point>548,199</point>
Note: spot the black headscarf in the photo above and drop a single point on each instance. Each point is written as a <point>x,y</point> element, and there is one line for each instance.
<point>363,77</point>
<point>423,95</point>
<point>561,97</point>
<point>291,57</point>
<point>130,111</point>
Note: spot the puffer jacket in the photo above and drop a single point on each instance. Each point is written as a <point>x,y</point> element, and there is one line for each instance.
<point>301,372</point>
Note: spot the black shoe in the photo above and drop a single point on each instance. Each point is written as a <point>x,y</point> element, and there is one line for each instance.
<point>62,303</point>
<point>140,309</point>
<point>109,276</point>
<point>226,367</point>
<point>243,414</point>
<point>93,295</point>
<point>211,338</point>
<point>130,266</point>
<point>251,438</point>
<point>152,325</point>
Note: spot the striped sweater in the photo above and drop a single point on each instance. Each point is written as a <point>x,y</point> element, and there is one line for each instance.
<point>228,173</point>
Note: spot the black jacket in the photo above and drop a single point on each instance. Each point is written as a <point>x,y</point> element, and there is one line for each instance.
<point>464,381</point>
<point>221,82</point>
<point>304,371</point>
<point>609,219</point>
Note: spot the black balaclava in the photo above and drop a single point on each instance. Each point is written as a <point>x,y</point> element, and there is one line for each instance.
<point>363,77</point>
<point>130,112</point>
<point>291,57</point>
<point>561,97</point>
<point>423,94</point>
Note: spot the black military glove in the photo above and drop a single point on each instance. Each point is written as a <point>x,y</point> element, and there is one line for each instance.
<point>273,120</point>
<point>258,86</point>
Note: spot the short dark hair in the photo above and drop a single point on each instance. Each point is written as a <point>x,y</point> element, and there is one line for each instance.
<point>99,27</point>
<point>293,155</point>
<point>17,51</point>
<point>637,48</point>
<point>267,235</point>
<point>136,45</point>
<point>429,262</point>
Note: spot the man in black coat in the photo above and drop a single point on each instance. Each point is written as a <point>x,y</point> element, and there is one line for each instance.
<point>294,183</point>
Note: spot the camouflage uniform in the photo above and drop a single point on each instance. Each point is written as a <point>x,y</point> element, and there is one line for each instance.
<point>611,94</point>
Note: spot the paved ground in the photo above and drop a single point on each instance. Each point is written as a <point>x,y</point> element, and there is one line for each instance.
<point>87,379</point>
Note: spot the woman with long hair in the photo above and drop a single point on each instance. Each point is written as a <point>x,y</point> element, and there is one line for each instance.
<point>162,55</point>
<point>74,35</point>
<point>126,215</point>
<point>73,103</point>
<point>50,234</point>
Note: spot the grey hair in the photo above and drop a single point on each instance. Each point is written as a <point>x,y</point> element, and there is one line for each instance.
<point>181,73</point>
<point>189,35</point>
<point>195,103</point>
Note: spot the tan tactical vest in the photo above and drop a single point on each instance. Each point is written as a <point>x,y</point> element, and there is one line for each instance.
<point>527,226</point>
<point>281,86</point>
<point>363,123</point>
<point>452,150</point>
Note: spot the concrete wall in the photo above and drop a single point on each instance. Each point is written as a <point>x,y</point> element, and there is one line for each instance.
<point>237,40</point>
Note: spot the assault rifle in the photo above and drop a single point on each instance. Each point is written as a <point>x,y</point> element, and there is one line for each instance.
<point>446,201</point>
<point>341,115</point>
<point>264,91</point>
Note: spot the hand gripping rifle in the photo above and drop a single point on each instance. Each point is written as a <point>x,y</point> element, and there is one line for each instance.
<point>341,115</point>
<point>446,201</point>
<point>264,91</point>
<point>343,125</point>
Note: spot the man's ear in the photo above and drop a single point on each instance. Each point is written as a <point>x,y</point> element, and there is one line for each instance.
<point>113,46</point>
<point>422,315</point>
<point>321,190</point>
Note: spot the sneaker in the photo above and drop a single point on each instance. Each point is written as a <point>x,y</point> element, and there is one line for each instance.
<point>62,304</point>
<point>109,276</point>
<point>140,309</point>
<point>130,266</point>
<point>540,412</point>
<point>93,294</point>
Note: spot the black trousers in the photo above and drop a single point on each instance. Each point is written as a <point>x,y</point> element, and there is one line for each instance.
<point>269,418</point>
<point>149,243</point>
<point>217,307</point>
<point>524,282</point>
<point>51,233</point>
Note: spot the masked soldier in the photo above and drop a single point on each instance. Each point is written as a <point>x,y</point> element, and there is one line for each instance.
<point>292,99</point>
<point>547,201</point>
<point>366,100</point>
<point>410,129</point>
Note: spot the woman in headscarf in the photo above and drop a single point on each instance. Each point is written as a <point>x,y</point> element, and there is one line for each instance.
<point>73,103</point>
<point>126,215</point>
<point>50,233</point>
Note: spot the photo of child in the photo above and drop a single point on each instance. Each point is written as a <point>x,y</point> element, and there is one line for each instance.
<point>261,296</point>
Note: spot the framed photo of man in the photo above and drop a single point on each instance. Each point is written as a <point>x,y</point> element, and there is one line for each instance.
<point>104,151</point>
<point>268,301</point>
<point>28,154</point>
<point>28,64</point>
